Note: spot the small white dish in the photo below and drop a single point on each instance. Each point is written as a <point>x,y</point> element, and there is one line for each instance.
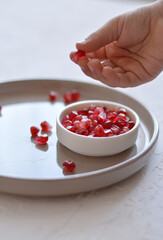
<point>97,146</point>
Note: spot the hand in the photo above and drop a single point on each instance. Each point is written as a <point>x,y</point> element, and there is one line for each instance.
<point>128,50</point>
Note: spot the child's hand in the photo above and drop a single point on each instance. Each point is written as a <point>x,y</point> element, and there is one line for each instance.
<point>128,50</point>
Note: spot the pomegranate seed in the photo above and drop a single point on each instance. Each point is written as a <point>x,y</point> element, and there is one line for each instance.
<point>41,140</point>
<point>92,117</point>
<point>71,128</point>
<point>91,128</point>
<point>98,110</point>
<point>76,124</point>
<point>75,95</point>
<point>102,118</point>
<point>123,116</point>
<point>115,129</point>
<point>70,97</point>
<point>122,123</point>
<point>67,123</point>
<point>82,131</point>
<point>98,122</point>
<point>112,116</point>
<point>69,165</point>
<point>114,120</point>
<point>65,118</point>
<point>85,123</point>
<point>0,109</point>
<point>92,107</point>
<point>83,112</point>
<point>131,124</point>
<point>125,129</point>
<point>91,134</point>
<point>108,132</point>
<point>78,56</point>
<point>67,97</point>
<point>46,126</point>
<point>94,123</point>
<point>34,131</point>
<point>77,118</point>
<point>99,131</point>
<point>108,124</point>
<point>90,112</point>
<point>72,115</point>
<point>122,110</point>
<point>53,96</point>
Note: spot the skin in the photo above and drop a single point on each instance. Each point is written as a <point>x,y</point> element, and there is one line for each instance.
<point>128,50</point>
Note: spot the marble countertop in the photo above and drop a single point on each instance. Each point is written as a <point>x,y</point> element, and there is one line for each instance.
<point>36,38</point>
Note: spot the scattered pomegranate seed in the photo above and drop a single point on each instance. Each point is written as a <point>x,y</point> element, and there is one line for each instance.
<point>69,165</point>
<point>0,109</point>
<point>75,95</point>
<point>34,131</point>
<point>67,97</point>
<point>53,96</point>
<point>70,97</point>
<point>98,122</point>
<point>41,140</point>
<point>46,126</point>
<point>78,56</point>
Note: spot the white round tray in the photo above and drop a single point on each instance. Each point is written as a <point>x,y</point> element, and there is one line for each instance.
<point>31,170</point>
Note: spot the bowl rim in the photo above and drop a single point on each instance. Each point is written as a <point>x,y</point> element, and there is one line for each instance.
<point>137,122</point>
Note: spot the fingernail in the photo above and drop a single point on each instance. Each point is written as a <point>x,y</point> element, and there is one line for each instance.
<point>85,40</point>
<point>82,42</point>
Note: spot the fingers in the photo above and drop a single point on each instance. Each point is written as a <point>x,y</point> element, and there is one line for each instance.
<point>118,78</point>
<point>95,69</point>
<point>108,73</point>
<point>105,35</point>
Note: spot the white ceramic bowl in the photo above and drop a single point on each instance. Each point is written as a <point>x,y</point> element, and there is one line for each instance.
<point>96,146</point>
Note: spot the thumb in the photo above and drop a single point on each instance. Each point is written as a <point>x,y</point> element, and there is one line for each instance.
<point>106,34</point>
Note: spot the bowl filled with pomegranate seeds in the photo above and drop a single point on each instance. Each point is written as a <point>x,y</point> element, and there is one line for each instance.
<point>97,128</point>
